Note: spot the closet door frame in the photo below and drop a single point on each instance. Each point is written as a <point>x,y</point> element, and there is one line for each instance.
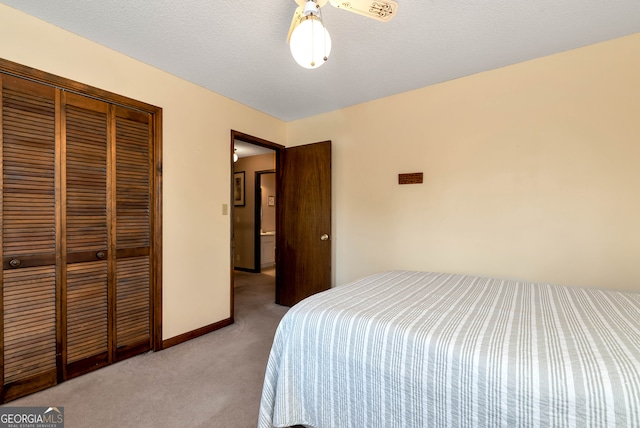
<point>18,70</point>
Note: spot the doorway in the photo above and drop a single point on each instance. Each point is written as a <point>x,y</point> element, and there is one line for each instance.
<point>254,163</point>
<point>303,218</point>
<point>265,220</point>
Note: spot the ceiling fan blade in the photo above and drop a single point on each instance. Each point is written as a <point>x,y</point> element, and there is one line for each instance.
<point>297,16</point>
<point>381,10</point>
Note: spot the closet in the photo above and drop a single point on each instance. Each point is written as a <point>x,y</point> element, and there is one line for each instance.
<point>79,215</point>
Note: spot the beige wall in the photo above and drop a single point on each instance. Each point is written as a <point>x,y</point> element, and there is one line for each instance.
<point>244,216</point>
<point>530,171</point>
<point>196,151</point>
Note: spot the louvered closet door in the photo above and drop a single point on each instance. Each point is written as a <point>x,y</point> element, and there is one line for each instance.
<point>77,235</point>
<point>85,220</point>
<point>108,233</point>
<point>28,240</point>
<point>133,232</point>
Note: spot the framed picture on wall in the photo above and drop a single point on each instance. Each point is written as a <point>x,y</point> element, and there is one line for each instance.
<point>271,201</point>
<point>238,189</point>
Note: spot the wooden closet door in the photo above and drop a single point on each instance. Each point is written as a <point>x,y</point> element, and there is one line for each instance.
<point>28,291</point>
<point>79,234</point>
<point>134,274</point>
<point>85,222</point>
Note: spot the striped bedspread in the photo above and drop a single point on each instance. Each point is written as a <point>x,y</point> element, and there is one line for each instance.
<point>419,349</point>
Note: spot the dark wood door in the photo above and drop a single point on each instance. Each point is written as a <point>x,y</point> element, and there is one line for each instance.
<point>77,235</point>
<point>85,221</point>
<point>29,238</point>
<point>133,242</point>
<point>108,224</point>
<point>303,247</point>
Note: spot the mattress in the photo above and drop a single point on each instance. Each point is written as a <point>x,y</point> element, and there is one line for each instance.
<point>424,349</point>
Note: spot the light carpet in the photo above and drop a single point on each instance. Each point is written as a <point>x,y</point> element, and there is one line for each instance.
<point>211,381</point>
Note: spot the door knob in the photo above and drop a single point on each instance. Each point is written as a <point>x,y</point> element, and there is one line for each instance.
<point>101,255</point>
<point>15,263</point>
<point>324,237</point>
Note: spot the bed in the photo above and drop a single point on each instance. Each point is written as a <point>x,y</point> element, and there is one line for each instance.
<point>424,349</point>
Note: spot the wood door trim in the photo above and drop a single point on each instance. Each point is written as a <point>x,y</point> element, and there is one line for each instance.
<point>236,135</point>
<point>61,236</point>
<point>22,71</point>
<point>111,232</point>
<point>2,388</point>
<point>156,240</point>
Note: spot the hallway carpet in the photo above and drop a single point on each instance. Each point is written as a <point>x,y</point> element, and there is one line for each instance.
<point>212,381</point>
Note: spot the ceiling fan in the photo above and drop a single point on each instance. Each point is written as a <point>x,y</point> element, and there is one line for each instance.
<point>309,40</point>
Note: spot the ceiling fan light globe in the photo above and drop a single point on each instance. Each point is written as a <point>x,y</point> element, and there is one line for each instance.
<point>310,43</point>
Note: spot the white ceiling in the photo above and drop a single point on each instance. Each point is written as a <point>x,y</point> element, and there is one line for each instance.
<point>238,48</point>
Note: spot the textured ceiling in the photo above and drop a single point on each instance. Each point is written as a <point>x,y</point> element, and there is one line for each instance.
<point>238,48</point>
